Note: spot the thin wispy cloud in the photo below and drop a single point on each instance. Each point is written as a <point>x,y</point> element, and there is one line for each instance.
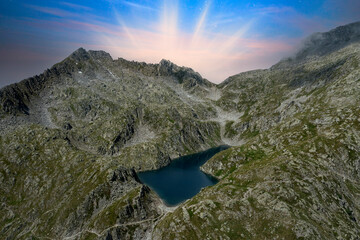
<point>76,6</point>
<point>272,10</point>
<point>138,6</point>
<point>225,20</point>
<point>66,15</point>
<point>52,11</point>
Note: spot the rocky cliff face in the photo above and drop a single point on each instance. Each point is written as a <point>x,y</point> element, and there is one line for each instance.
<point>73,138</point>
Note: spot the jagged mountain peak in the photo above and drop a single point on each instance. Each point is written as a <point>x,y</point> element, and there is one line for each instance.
<point>183,74</point>
<point>85,66</point>
<point>81,54</point>
<point>165,62</point>
<point>101,55</point>
<point>172,67</point>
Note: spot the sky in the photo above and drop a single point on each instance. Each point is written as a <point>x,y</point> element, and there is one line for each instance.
<point>215,38</point>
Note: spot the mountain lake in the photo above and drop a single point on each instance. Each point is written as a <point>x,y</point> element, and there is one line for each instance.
<point>182,178</point>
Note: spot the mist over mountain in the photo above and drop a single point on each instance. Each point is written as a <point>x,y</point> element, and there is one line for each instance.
<point>320,44</point>
<point>74,138</point>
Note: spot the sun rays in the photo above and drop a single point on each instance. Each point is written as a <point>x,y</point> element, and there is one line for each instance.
<point>205,51</point>
<point>215,43</point>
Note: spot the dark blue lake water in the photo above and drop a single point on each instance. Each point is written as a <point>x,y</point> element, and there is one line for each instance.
<point>182,178</point>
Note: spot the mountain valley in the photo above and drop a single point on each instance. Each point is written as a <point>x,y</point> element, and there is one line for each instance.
<point>74,138</point>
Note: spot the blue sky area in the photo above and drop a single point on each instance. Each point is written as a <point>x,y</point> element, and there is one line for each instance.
<point>216,38</point>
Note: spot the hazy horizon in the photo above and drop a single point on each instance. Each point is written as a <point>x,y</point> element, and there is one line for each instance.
<point>215,38</point>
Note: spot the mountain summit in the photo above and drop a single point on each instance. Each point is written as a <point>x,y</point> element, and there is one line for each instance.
<point>73,139</point>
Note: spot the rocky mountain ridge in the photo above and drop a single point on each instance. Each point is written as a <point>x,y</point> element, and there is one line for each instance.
<point>15,96</point>
<point>73,138</point>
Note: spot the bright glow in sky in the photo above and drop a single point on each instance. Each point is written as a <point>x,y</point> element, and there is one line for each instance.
<point>215,38</point>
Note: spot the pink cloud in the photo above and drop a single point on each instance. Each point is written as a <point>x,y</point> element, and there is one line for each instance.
<point>52,11</point>
<point>67,14</point>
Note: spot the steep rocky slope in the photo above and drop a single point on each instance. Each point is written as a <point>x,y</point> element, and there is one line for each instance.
<point>297,176</point>
<point>73,137</point>
<point>67,131</point>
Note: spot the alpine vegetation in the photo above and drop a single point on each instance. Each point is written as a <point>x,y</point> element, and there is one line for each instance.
<point>74,139</point>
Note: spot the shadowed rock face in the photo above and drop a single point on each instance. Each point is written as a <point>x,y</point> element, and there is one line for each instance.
<point>73,138</point>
